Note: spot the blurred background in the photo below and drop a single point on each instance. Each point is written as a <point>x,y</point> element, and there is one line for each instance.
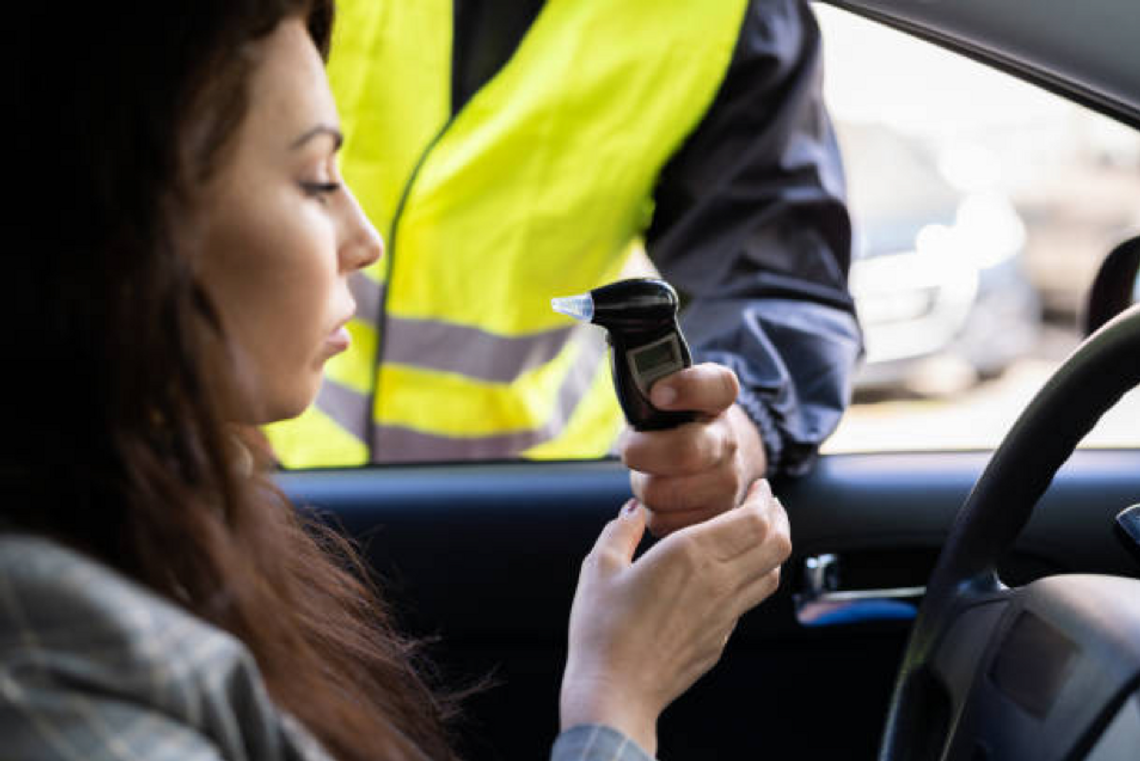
<point>982,208</point>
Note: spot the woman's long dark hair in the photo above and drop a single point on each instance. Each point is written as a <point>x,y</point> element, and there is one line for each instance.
<point>136,103</point>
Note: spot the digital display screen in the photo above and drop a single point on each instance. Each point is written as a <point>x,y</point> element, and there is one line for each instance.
<point>652,357</point>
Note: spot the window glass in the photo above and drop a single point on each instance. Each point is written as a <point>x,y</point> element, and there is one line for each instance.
<point>982,208</point>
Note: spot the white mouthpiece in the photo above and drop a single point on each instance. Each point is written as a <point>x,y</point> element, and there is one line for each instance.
<point>579,307</point>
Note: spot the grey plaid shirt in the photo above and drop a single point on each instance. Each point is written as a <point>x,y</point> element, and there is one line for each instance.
<point>95,668</point>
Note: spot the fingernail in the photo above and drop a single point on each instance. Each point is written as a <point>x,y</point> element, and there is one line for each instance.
<point>629,508</point>
<point>663,395</point>
<point>765,487</point>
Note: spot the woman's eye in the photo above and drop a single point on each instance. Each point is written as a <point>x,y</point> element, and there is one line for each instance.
<point>320,190</point>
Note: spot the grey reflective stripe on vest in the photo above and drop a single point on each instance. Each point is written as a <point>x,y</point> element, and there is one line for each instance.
<point>368,295</point>
<point>400,444</point>
<point>474,353</point>
<point>348,408</point>
<point>449,348</point>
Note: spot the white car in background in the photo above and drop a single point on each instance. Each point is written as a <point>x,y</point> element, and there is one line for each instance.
<point>937,272</point>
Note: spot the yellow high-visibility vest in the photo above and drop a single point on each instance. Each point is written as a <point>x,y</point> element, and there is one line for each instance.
<point>540,186</point>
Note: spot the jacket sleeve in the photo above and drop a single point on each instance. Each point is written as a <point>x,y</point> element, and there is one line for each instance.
<point>750,224</point>
<point>596,742</point>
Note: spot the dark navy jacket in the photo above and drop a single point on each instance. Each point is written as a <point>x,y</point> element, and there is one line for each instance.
<point>750,223</point>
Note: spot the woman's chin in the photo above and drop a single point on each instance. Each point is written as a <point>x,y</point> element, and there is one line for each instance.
<point>281,407</point>
<point>294,407</point>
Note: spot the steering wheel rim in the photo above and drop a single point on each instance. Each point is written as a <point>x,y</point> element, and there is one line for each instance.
<point>1102,369</point>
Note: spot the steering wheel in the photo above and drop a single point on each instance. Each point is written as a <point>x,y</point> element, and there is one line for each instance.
<point>1036,672</point>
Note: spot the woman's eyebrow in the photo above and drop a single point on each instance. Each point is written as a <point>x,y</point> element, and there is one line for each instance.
<point>320,129</point>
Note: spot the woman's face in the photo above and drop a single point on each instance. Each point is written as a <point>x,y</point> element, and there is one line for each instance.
<point>281,235</point>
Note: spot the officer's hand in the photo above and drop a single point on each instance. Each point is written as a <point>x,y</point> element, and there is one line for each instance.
<point>690,473</point>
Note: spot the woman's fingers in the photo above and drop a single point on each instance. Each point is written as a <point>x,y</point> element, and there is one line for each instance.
<point>615,546</point>
<point>746,547</point>
<point>757,528</point>
<point>642,631</point>
<point>758,589</point>
<point>766,525</point>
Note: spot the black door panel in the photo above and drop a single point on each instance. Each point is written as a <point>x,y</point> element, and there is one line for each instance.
<point>486,557</point>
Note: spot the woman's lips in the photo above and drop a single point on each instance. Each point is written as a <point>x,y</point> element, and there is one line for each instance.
<point>339,340</point>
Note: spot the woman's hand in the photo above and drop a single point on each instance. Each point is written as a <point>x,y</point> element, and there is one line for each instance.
<point>690,473</point>
<point>642,632</point>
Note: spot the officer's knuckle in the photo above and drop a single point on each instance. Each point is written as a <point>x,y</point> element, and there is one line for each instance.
<point>730,386</point>
<point>729,446</point>
<point>726,489</point>
<point>660,493</point>
<point>630,455</point>
<point>691,454</point>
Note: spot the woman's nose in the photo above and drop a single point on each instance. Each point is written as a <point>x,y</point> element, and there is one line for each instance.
<point>362,244</point>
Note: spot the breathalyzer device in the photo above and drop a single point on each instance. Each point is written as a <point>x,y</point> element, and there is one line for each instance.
<point>640,318</point>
